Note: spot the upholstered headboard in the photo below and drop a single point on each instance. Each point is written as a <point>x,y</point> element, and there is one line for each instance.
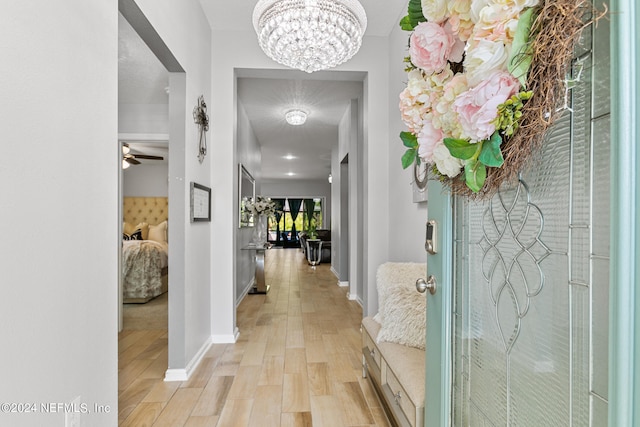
<point>152,210</point>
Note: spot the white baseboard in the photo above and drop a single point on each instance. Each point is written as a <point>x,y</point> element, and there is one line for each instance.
<point>184,374</point>
<point>335,273</point>
<point>245,292</point>
<point>343,284</point>
<point>352,297</point>
<point>226,339</point>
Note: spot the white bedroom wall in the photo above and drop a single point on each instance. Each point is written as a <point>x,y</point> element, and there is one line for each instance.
<point>406,219</point>
<point>58,307</point>
<point>146,180</point>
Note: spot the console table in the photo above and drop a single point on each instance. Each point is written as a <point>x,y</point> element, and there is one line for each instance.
<point>259,285</point>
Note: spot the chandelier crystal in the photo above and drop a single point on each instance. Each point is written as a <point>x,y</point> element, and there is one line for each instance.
<point>295,117</point>
<point>310,35</point>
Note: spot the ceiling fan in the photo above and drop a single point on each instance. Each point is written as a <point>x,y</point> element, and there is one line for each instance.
<point>129,158</point>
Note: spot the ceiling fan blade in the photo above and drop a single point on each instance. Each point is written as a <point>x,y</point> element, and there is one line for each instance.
<point>144,156</point>
<point>131,160</point>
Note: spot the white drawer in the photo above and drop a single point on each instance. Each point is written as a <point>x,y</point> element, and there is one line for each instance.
<point>371,356</point>
<point>399,399</point>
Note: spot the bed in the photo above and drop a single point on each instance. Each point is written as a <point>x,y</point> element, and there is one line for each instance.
<point>145,249</point>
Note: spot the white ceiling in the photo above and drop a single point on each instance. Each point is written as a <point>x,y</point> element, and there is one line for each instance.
<point>266,95</point>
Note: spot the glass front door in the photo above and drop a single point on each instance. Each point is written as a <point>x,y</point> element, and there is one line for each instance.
<point>531,276</point>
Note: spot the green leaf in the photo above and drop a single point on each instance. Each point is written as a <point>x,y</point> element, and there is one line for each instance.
<point>461,148</point>
<point>521,55</point>
<point>405,24</point>
<point>491,155</point>
<point>475,174</point>
<point>411,21</point>
<point>409,157</point>
<point>409,140</point>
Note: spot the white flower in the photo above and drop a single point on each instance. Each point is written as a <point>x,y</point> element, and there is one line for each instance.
<point>435,10</point>
<point>261,206</point>
<point>445,162</point>
<point>484,57</point>
<point>476,7</point>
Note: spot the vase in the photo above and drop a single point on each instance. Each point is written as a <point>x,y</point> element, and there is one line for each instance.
<point>260,231</point>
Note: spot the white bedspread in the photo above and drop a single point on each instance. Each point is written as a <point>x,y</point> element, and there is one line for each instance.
<point>142,264</point>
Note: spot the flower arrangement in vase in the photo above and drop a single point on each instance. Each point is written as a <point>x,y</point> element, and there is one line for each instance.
<point>261,208</point>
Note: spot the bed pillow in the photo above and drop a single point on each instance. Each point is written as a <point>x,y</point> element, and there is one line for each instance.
<point>404,317</point>
<point>144,229</point>
<point>136,235</point>
<point>128,228</point>
<point>158,233</point>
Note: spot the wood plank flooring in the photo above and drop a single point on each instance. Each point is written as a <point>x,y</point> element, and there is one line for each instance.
<point>297,362</point>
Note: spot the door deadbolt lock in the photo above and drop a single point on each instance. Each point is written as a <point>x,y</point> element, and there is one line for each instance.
<point>427,285</point>
<point>430,244</point>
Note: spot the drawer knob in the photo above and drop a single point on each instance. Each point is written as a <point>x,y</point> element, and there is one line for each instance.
<point>373,353</point>
<point>397,397</point>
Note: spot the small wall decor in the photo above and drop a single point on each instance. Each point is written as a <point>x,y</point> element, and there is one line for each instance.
<point>201,118</point>
<point>200,203</point>
<point>484,85</point>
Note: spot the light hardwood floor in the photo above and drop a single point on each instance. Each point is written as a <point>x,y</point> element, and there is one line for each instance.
<point>297,362</point>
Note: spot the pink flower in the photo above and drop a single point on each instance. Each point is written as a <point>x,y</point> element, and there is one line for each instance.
<point>431,46</point>
<point>428,139</point>
<point>478,107</point>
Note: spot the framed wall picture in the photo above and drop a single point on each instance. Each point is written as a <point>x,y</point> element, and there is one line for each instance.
<point>200,203</point>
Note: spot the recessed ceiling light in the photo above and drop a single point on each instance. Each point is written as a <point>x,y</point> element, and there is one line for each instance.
<point>291,174</point>
<point>289,157</point>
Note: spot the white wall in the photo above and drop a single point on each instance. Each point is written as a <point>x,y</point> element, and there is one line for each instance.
<point>146,180</point>
<point>143,118</point>
<point>234,49</point>
<point>58,308</point>
<point>249,154</point>
<point>406,219</point>
<point>185,31</point>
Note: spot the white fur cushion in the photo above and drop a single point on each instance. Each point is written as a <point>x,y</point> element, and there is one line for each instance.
<point>402,309</point>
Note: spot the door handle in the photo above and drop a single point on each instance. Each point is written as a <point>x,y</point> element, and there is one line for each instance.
<point>427,285</point>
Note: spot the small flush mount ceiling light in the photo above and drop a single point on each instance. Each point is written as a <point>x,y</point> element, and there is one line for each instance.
<point>296,117</point>
<point>310,35</point>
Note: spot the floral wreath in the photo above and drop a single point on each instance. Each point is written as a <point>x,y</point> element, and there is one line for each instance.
<point>486,78</point>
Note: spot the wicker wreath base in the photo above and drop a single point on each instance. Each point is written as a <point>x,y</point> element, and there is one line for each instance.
<point>556,32</point>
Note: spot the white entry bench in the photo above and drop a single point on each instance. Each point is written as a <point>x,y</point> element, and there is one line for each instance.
<point>393,355</point>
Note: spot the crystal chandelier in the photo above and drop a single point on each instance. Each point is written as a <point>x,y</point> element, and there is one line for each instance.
<point>296,117</point>
<point>310,35</point>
